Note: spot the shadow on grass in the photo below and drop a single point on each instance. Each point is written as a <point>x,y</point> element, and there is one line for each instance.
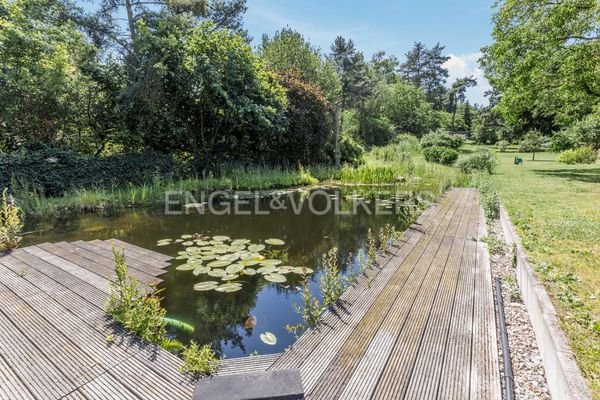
<point>589,175</point>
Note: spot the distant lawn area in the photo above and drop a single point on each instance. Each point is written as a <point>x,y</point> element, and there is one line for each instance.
<point>556,209</point>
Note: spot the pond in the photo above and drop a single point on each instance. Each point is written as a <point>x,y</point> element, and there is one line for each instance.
<point>306,224</point>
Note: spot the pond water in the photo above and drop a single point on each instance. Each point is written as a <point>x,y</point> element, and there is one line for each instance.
<point>309,224</point>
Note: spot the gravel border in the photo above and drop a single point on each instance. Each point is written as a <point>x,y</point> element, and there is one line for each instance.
<point>528,368</point>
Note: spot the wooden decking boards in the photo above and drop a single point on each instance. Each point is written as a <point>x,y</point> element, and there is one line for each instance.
<point>419,325</point>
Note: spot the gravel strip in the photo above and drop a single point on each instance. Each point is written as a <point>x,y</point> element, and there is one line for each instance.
<point>528,369</point>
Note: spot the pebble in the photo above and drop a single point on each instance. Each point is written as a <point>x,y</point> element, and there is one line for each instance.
<point>528,369</point>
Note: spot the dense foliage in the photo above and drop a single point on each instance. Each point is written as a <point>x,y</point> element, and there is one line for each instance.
<point>544,62</point>
<point>11,223</point>
<point>580,155</point>
<point>440,154</point>
<point>442,139</point>
<point>482,160</point>
<point>53,172</point>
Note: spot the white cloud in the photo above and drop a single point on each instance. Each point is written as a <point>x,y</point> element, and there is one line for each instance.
<point>463,65</point>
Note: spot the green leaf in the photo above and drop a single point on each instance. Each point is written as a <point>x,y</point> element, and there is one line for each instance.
<point>268,338</point>
<point>275,242</point>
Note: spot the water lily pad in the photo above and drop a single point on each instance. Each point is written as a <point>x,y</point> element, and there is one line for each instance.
<point>266,270</point>
<point>217,273</point>
<point>255,248</point>
<point>201,270</point>
<point>249,256</point>
<point>302,271</point>
<point>268,338</point>
<point>178,240</point>
<point>234,268</point>
<point>270,262</point>
<point>275,277</point>
<point>208,257</point>
<point>248,271</point>
<point>236,249</point>
<point>185,237</point>
<point>285,269</point>
<point>218,264</point>
<point>230,277</point>
<point>201,242</point>
<point>186,267</point>
<point>190,243</point>
<point>182,257</point>
<point>275,242</point>
<point>215,242</point>
<point>240,242</point>
<point>229,287</point>
<point>221,238</point>
<point>249,263</point>
<point>162,244</point>
<point>204,286</point>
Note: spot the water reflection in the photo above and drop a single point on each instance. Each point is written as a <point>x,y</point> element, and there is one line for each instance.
<point>220,318</point>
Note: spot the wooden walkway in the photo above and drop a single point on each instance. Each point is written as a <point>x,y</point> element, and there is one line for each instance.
<point>421,325</point>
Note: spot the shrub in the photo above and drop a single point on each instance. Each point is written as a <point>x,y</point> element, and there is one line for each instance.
<point>199,360</point>
<point>351,151</point>
<point>11,223</point>
<point>563,140</point>
<point>483,160</point>
<point>440,154</point>
<point>139,313</point>
<point>502,145</point>
<point>488,198</point>
<point>442,139</point>
<point>332,284</point>
<point>408,142</point>
<point>581,155</point>
<point>53,171</point>
<point>587,130</point>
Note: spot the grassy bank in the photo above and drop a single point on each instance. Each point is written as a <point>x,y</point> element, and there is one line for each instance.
<point>390,165</point>
<point>556,209</point>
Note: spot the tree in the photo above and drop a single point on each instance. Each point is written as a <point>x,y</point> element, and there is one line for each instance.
<point>307,129</point>
<point>47,96</point>
<point>532,143</point>
<point>352,70</point>
<point>457,95</point>
<point>425,69</point>
<point>202,91</point>
<point>544,60</point>
<point>467,117</point>
<point>384,67</point>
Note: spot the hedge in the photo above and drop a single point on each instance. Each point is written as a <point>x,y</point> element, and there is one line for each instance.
<point>55,171</point>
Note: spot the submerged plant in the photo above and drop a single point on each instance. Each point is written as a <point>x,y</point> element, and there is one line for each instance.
<point>11,223</point>
<point>199,360</point>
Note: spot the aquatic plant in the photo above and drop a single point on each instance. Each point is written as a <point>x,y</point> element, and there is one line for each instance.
<point>11,223</point>
<point>230,259</point>
<point>371,248</point>
<point>332,283</point>
<point>199,360</point>
<point>311,309</point>
<point>138,312</point>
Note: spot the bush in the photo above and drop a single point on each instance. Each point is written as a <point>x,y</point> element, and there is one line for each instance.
<point>199,360</point>
<point>581,155</point>
<point>587,130</point>
<point>502,145</point>
<point>351,151</point>
<point>11,223</point>
<point>128,304</point>
<point>563,140</point>
<point>440,154</point>
<point>483,160</point>
<point>442,139</point>
<point>53,171</point>
<point>532,142</point>
<point>409,142</point>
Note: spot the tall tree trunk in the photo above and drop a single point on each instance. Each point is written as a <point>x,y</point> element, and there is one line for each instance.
<point>337,125</point>
<point>130,20</point>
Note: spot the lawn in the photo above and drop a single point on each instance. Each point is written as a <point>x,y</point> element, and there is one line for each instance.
<point>556,209</point>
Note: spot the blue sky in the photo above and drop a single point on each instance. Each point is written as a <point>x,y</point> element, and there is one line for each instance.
<point>463,26</point>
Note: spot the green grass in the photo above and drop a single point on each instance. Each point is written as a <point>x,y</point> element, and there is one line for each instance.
<point>556,209</point>
<point>390,165</point>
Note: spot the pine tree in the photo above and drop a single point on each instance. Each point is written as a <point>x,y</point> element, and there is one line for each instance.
<point>468,117</point>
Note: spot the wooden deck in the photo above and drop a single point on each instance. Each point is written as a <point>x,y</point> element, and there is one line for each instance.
<point>421,325</point>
